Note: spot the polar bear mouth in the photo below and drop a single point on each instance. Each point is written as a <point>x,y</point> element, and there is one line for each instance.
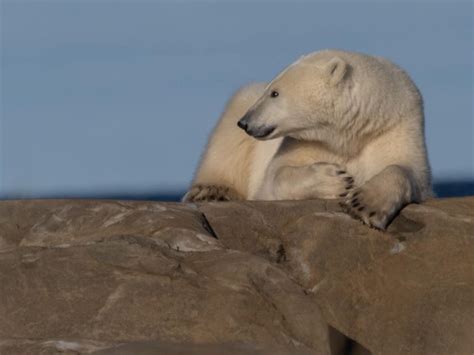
<point>261,132</point>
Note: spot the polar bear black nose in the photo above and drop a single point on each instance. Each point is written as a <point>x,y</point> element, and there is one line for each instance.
<point>243,124</point>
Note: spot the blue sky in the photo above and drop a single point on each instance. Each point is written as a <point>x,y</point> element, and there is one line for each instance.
<point>103,97</point>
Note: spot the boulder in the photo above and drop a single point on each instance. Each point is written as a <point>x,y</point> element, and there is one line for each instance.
<point>121,277</point>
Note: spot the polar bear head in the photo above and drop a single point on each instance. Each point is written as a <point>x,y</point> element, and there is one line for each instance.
<point>330,93</point>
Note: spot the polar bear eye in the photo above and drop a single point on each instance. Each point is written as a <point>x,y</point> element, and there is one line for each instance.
<point>274,93</point>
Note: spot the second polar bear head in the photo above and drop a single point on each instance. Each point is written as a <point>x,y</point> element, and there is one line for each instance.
<point>333,92</point>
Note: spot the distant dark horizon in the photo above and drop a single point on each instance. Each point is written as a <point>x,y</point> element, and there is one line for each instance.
<point>442,189</point>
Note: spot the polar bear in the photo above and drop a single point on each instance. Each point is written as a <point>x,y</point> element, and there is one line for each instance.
<point>334,124</point>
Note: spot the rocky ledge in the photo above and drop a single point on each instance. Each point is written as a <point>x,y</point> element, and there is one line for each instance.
<point>118,277</point>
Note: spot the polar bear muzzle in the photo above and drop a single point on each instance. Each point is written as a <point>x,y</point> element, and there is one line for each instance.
<point>256,132</point>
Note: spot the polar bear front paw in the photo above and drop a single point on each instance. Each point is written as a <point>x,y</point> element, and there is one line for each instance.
<point>371,207</point>
<point>329,181</point>
<point>203,193</point>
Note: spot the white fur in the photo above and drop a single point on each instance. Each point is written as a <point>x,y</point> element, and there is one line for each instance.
<point>346,125</point>
<point>261,158</point>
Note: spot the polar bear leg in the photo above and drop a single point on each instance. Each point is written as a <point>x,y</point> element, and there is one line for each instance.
<point>380,199</point>
<point>318,180</point>
<point>223,173</point>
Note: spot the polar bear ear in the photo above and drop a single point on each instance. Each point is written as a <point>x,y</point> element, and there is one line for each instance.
<point>335,70</point>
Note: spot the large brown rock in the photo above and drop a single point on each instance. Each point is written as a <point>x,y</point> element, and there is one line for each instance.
<point>115,277</point>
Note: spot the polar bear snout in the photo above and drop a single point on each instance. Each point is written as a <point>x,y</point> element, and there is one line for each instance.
<point>243,123</point>
<point>256,132</point>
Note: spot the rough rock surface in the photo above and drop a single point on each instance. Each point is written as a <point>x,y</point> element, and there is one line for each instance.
<point>116,277</point>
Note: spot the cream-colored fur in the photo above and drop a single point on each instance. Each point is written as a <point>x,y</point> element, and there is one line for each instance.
<point>334,124</point>
<point>243,160</point>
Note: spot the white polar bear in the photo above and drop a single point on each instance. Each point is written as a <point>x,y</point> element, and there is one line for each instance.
<point>334,124</point>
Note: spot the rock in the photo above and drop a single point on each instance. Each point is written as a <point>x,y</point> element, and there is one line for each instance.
<point>117,277</point>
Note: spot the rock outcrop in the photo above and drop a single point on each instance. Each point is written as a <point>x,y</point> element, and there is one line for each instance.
<point>118,277</point>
